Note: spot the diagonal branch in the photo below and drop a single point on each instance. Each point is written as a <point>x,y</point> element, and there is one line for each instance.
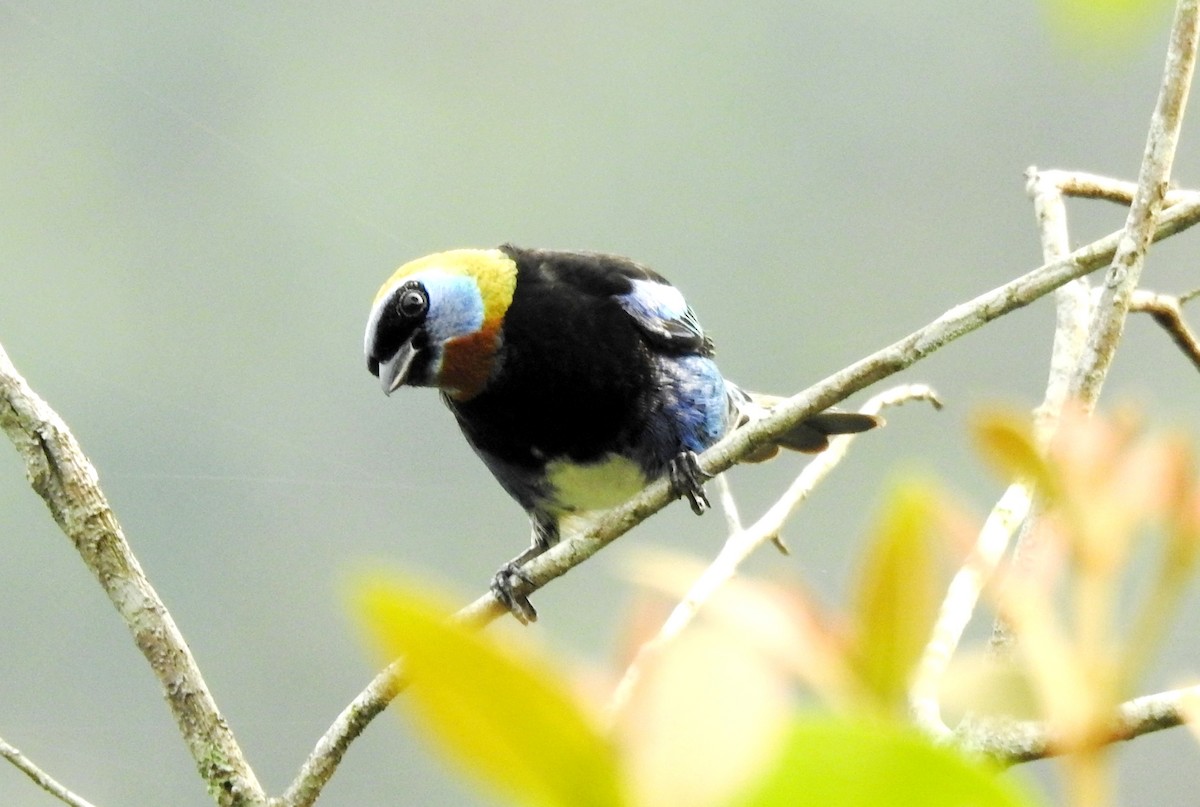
<point>40,777</point>
<point>1012,742</point>
<point>321,764</point>
<point>1084,185</point>
<point>1167,311</point>
<point>67,481</point>
<point>62,475</point>
<point>956,322</point>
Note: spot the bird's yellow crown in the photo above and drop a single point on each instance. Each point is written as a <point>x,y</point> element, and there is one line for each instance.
<point>493,271</point>
<point>466,357</point>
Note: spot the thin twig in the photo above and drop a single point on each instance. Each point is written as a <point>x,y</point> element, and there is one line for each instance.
<point>40,777</point>
<point>1090,359</point>
<point>1108,320</point>
<point>322,763</point>
<point>959,605</point>
<point>1017,740</point>
<point>67,481</point>
<point>1012,742</point>
<point>1167,311</point>
<point>1083,185</point>
<point>1072,312</point>
<point>1072,302</point>
<point>740,545</point>
<point>729,506</point>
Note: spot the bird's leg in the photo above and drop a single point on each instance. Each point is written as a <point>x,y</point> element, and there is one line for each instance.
<point>687,479</point>
<point>545,535</point>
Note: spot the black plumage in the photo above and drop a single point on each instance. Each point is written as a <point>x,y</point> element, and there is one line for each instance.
<point>577,377</point>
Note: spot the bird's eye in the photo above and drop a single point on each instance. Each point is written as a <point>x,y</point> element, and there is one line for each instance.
<point>412,302</point>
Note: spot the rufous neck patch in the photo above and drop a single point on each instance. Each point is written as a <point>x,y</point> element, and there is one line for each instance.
<point>467,359</point>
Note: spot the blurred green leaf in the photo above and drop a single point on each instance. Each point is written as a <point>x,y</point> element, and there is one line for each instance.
<point>1183,522</point>
<point>838,763</point>
<point>981,682</point>
<point>1006,440</point>
<point>1103,24</point>
<point>506,718</point>
<point>898,596</point>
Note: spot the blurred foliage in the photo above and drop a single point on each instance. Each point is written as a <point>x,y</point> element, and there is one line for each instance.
<point>1110,492</point>
<point>713,718</point>
<point>769,700</point>
<point>898,596</point>
<point>840,763</point>
<point>1101,26</point>
<point>508,717</point>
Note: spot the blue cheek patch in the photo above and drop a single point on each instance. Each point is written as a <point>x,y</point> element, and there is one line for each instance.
<point>455,306</point>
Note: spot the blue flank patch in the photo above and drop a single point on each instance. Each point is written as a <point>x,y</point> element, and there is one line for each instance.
<point>455,305</point>
<point>694,412</point>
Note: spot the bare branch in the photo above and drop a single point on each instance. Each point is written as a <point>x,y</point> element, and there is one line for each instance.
<point>1072,302</point>
<point>1167,311</point>
<point>1146,201</point>
<point>1094,186</point>
<point>67,481</point>
<point>325,757</point>
<point>1073,311</point>
<point>1081,356</point>
<point>40,777</point>
<point>1108,321</point>
<point>959,605</point>
<point>1012,741</point>
<point>729,506</point>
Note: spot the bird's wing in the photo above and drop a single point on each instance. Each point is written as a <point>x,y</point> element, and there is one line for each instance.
<point>666,319</point>
<point>658,308</point>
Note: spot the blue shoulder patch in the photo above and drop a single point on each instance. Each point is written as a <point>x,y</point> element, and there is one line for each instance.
<point>665,317</point>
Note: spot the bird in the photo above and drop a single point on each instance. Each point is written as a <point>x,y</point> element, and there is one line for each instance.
<point>577,377</point>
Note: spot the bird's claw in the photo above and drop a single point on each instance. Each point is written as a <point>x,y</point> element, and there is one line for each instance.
<point>687,479</point>
<point>503,590</point>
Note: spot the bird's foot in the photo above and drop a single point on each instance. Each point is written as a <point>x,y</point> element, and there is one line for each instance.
<point>503,589</point>
<point>512,574</point>
<point>687,479</point>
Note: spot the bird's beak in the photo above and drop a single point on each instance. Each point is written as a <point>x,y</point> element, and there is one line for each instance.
<point>394,372</point>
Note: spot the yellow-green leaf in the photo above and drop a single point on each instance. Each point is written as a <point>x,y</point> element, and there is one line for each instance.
<point>1006,440</point>
<point>707,714</point>
<point>505,717</point>
<point>1096,26</point>
<point>839,763</point>
<point>898,596</point>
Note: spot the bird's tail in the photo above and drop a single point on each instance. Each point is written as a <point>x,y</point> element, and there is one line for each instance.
<point>810,436</point>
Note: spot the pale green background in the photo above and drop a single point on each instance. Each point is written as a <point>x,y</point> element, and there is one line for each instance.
<point>199,201</point>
